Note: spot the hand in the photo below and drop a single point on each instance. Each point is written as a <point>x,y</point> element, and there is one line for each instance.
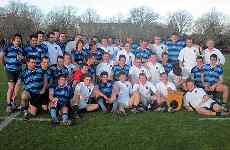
<point>42,92</point>
<point>53,102</point>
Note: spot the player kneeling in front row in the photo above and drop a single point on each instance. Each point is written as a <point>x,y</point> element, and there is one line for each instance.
<point>60,95</point>
<point>144,92</point>
<point>200,102</point>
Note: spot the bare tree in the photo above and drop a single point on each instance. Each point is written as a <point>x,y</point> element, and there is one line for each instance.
<point>179,21</point>
<point>142,16</point>
<point>90,16</point>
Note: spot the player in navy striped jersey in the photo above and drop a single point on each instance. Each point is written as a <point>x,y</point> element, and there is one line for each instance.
<point>13,59</point>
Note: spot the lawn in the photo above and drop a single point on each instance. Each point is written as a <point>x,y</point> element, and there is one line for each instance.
<point>98,131</point>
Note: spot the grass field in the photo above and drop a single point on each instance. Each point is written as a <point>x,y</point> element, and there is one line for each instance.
<point>98,131</point>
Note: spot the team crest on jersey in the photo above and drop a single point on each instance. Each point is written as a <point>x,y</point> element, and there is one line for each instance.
<point>147,88</point>
<point>156,68</point>
<point>195,91</point>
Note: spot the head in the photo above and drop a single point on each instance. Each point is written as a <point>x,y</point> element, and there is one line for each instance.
<point>104,42</point>
<point>77,37</point>
<point>199,61</point>
<point>153,58</point>
<point>44,62</point>
<point>122,60</point>
<point>56,34</point>
<point>137,61</point>
<point>157,40</point>
<point>142,78</point>
<point>144,44</point>
<point>60,61</point>
<point>106,57</point>
<point>52,37</point>
<point>67,58</point>
<point>104,76</point>
<point>129,40</point>
<point>164,77</point>
<point>90,60</point>
<point>33,40</point>
<point>110,40</point>
<point>62,37</point>
<point>93,45</point>
<point>84,68</point>
<point>210,44</point>
<point>80,44</point>
<point>40,36</point>
<point>122,76</point>
<point>164,57</point>
<point>87,79</point>
<point>189,42</point>
<point>174,37</point>
<point>61,80</point>
<point>189,85</point>
<point>213,59</point>
<point>30,62</point>
<point>177,69</point>
<point>16,40</point>
<point>127,46</point>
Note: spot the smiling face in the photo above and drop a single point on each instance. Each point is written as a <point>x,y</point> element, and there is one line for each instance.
<point>142,79</point>
<point>33,41</point>
<point>17,41</point>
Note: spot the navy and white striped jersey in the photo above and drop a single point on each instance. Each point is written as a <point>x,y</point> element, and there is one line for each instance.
<point>35,52</point>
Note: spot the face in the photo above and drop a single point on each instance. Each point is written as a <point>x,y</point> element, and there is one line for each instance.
<point>60,62</point>
<point>122,61</point>
<point>62,37</point>
<point>199,62</point>
<point>52,38</point>
<point>165,58</point>
<point>80,45</point>
<point>190,86</point>
<point>90,61</point>
<point>210,44</point>
<point>40,37</point>
<point>129,40</point>
<point>110,40</point>
<point>138,62</point>
<point>144,44</point>
<point>61,81</point>
<point>174,38</point>
<point>213,61</point>
<point>127,46</point>
<point>189,43</point>
<point>122,77</point>
<point>17,41</point>
<point>106,57</point>
<point>153,58</point>
<point>33,42</point>
<point>104,78</point>
<point>31,64</point>
<point>104,42</point>
<point>67,59</point>
<point>164,78</point>
<point>87,81</point>
<point>56,34</point>
<point>157,40</point>
<point>77,37</point>
<point>142,79</point>
<point>85,69</point>
<point>45,63</point>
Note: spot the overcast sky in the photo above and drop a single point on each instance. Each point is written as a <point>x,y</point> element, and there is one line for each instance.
<point>107,8</point>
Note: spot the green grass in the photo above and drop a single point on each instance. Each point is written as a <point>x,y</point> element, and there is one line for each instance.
<point>148,131</point>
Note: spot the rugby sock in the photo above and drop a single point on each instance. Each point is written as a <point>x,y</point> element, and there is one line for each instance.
<point>53,113</point>
<point>65,117</point>
<point>101,104</point>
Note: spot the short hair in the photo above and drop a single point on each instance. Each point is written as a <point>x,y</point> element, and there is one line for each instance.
<point>30,57</point>
<point>199,57</point>
<point>104,73</point>
<point>137,57</point>
<point>67,54</point>
<point>92,43</point>
<point>213,56</point>
<point>44,57</point>
<point>143,74</point>
<point>33,36</point>
<point>40,32</point>
<point>55,30</point>
<point>80,41</point>
<point>164,53</point>
<point>122,56</point>
<point>188,80</point>
<point>50,33</point>
<point>189,38</point>
<point>163,73</point>
<point>60,57</point>
<point>175,33</point>
<point>122,73</point>
<point>86,76</point>
<point>61,76</point>
<point>16,35</point>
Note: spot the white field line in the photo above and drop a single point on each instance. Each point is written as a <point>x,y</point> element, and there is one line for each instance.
<point>8,120</point>
<point>203,119</point>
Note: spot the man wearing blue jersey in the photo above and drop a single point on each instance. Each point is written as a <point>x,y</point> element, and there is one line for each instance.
<point>214,78</point>
<point>40,43</point>
<point>13,57</point>
<point>197,72</point>
<point>60,95</point>
<point>34,85</point>
<point>143,51</point>
<point>174,47</point>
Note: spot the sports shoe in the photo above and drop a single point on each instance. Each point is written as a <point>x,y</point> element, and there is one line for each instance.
<point>66,123</point>
<point>140,109</point>
<point>134,110</point>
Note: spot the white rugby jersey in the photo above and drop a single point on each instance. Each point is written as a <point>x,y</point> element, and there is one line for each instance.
<point>145,89</point>
<point>84,90</point>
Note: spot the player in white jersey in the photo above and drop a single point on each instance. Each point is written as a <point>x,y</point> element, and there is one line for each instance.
<point>200,102</point>
<point>158,47</point>
<point>154,68</point>
<point>128,54</point>
<point>105,66</point>
<point>136,69</point>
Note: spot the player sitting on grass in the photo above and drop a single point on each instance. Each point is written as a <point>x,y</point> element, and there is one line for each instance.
<point>121,95</point>
<point>145,93</point>
<point>60,95</point>
<point>34,83</point>
<point>200,102</point>
<point>105,86</point>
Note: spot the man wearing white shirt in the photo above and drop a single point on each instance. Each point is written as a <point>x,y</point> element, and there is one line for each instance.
<point>106,65</point>
<point>54,50</point>
<point>154,68</point>
<point>211,50</point>
<point>158,47</point>
<point>136,69</point>
<point>128,54</point>
<point>72,44</point>
<point>187,56</point>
